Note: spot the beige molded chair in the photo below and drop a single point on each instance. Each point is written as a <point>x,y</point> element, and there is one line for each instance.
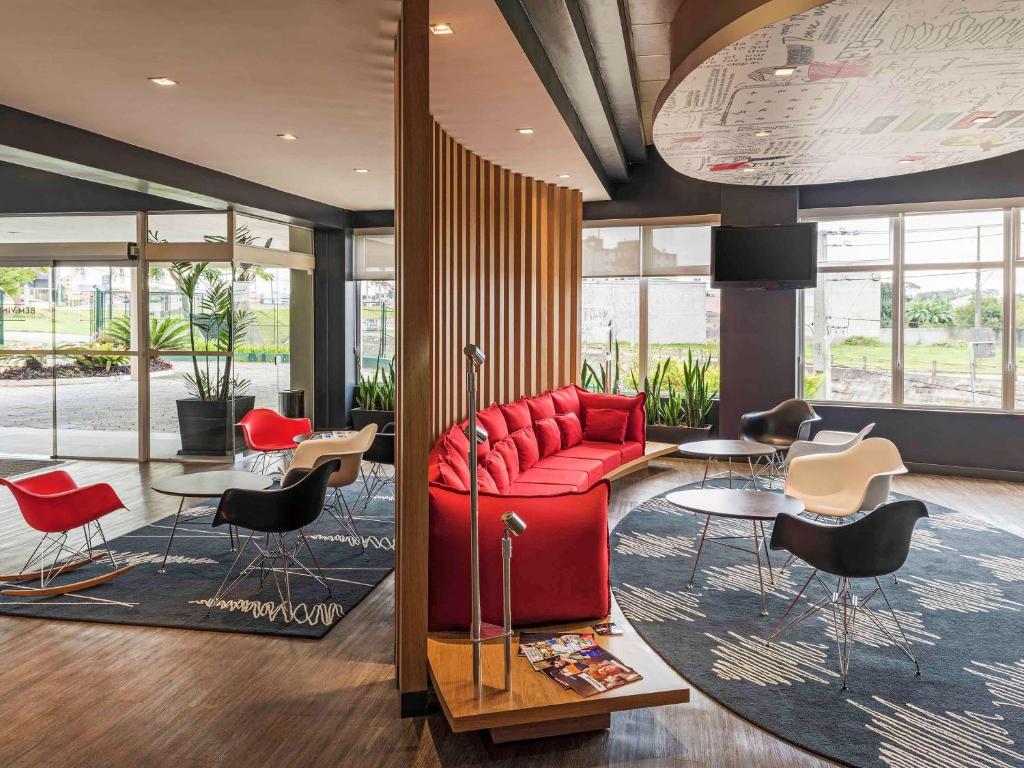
<point>826,441</point>
<point>839,485</point>
<point>312,453</point>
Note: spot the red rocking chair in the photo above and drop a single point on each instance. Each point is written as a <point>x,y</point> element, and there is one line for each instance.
<point>53,504</point>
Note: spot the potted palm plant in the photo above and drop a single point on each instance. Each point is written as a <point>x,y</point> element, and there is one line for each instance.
<point>217,398</point>
<point>374,397</point>
<point>679,414</point>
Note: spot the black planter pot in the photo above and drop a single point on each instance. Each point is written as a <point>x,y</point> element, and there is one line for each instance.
<point>208,426</point>
<point>659,433</point>
<point>363,416</point>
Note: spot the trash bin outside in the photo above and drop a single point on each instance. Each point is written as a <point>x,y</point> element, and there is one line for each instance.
<point>292,403</point>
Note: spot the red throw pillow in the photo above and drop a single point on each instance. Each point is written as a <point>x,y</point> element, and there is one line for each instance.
<point>526,445</point>
<point>510,454</point>
<point>491,419</point>
<point>457,463</point>
<point>450,477</point>
<point>570,428</point>
<point>635,426</point>
<point>482,449</point>
<point>549,438</point>
<point>606,425</point>
<point>541,406</point>
<point>517,414</point>
<point>457,439</point>
<point>484,481</point>
<point>566,400</point>
<point>495,466</point>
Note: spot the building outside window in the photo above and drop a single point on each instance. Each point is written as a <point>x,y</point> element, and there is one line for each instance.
<point>910,309</point>
<point>646,301</point>
<point>375,281</point>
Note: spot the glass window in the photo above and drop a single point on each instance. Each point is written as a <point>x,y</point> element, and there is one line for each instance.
<point>855,241</point>
<point>107,228</point>
<point>187,227</point>
<point>376,324</point>
<point>936,238</point>
<point>676,249</point>
<point>848,337</point>
<point>683,316</point>
<point>1018,300</point>
<point>611,251</point>
<point>26,314</point>
<point>952,337</point>
<point>262,233</point>
<point>611,331</point>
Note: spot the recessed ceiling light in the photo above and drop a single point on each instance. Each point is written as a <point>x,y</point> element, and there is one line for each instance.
<point>361,170</point>
<point>442,28</point>
<point>525,131</point>
<point>163,81</point>
<point>563,175</point>
<point>785,71</point>
<point>748,169</point>
<point>983,119</point>
<point>762,134</point>
<point>287,136</point>
<point>907,160</point>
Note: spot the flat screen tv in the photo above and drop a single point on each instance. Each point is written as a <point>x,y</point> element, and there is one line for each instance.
<point>764,257</point>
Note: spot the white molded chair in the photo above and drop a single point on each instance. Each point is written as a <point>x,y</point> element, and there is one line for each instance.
<point>826,441</point>
<point>312,453</point>
<point>843,484</point>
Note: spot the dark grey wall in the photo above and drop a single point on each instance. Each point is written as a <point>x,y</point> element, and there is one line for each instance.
<point>758,328</point>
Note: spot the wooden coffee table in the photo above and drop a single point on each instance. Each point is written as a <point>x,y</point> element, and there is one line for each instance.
<point>206,485</point>
<point>758,507</point>
<point>729,451</point>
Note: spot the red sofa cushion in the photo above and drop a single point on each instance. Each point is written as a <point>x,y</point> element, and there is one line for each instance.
<point>510,454</point>
<point>572,478</point>
<point>520,488</point>
<point>629,451</point>
<point>484,482</point>
<point>559,568</point>
<point>456,439</point>
<point>517,414</point>
<point>457,463</point>
<point>570,428</point>
<point>549,437</point>
<point>526,445</point>
<point>495,466</point>
<point>450,477</point>
<point>566,400</point>
<point>606,425</point>
<point>593,468</point>
<point>490,418</point>
<point>541,406</point>
<point>609,455</point>
<point>636,428</point>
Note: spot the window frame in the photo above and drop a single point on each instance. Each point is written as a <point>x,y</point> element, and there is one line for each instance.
<point>1011,260</point>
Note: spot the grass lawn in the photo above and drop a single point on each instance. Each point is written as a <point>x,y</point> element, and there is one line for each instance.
<point>917,358</point>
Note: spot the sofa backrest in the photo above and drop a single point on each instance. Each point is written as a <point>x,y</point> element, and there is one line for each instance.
<point>512,424</point>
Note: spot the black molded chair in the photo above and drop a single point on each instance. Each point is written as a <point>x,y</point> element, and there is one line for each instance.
<point>275,513</point>
<point>780,426</point>
<point>876,545</point>
<point>381,457</point>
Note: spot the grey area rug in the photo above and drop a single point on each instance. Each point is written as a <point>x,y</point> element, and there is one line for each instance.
<point>198,561</point>
<point>960,599</point>
<point>14,467</point>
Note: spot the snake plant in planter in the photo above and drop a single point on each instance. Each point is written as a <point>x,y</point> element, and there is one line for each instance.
<point>679,414</point>
<point>217,399</point>
<point>374,396</point>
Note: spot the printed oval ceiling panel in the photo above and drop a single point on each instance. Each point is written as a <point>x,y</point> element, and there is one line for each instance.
<point>853,89</point>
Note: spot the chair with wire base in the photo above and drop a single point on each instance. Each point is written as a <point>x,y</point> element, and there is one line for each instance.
<point>349,450</point>
<point>270,516</point>
<point>272,437</point>
<point>381,457</point>
<point>875,545</point>
<point>788,422</point>
<point>53,504</point>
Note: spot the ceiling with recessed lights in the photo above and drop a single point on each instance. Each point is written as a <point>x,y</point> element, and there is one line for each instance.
<point>852,89</point>
<point>248,71</point>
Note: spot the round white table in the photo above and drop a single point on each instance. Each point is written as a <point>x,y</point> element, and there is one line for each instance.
<point>737,504</point>
<point>206,485</point>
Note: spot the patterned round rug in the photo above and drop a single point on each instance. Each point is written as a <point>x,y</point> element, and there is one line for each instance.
<point>960,600</point>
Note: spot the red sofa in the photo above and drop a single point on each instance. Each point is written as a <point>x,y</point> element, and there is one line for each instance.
<point>545,458</point>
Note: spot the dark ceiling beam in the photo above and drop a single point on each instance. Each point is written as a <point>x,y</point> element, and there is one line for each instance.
<point>90,156</point>
<point>610,35</point>
<point>519,22</point>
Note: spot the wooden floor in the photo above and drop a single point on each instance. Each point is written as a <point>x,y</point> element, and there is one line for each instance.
<point>77,694</point>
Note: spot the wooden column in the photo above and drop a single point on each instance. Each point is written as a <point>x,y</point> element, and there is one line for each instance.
<point>414,213</point>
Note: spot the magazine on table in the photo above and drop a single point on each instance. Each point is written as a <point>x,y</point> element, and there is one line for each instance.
<point>540,648</point>
<point>590,671</point>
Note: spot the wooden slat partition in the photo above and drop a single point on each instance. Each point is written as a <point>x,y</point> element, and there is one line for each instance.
<point>507,266</point>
